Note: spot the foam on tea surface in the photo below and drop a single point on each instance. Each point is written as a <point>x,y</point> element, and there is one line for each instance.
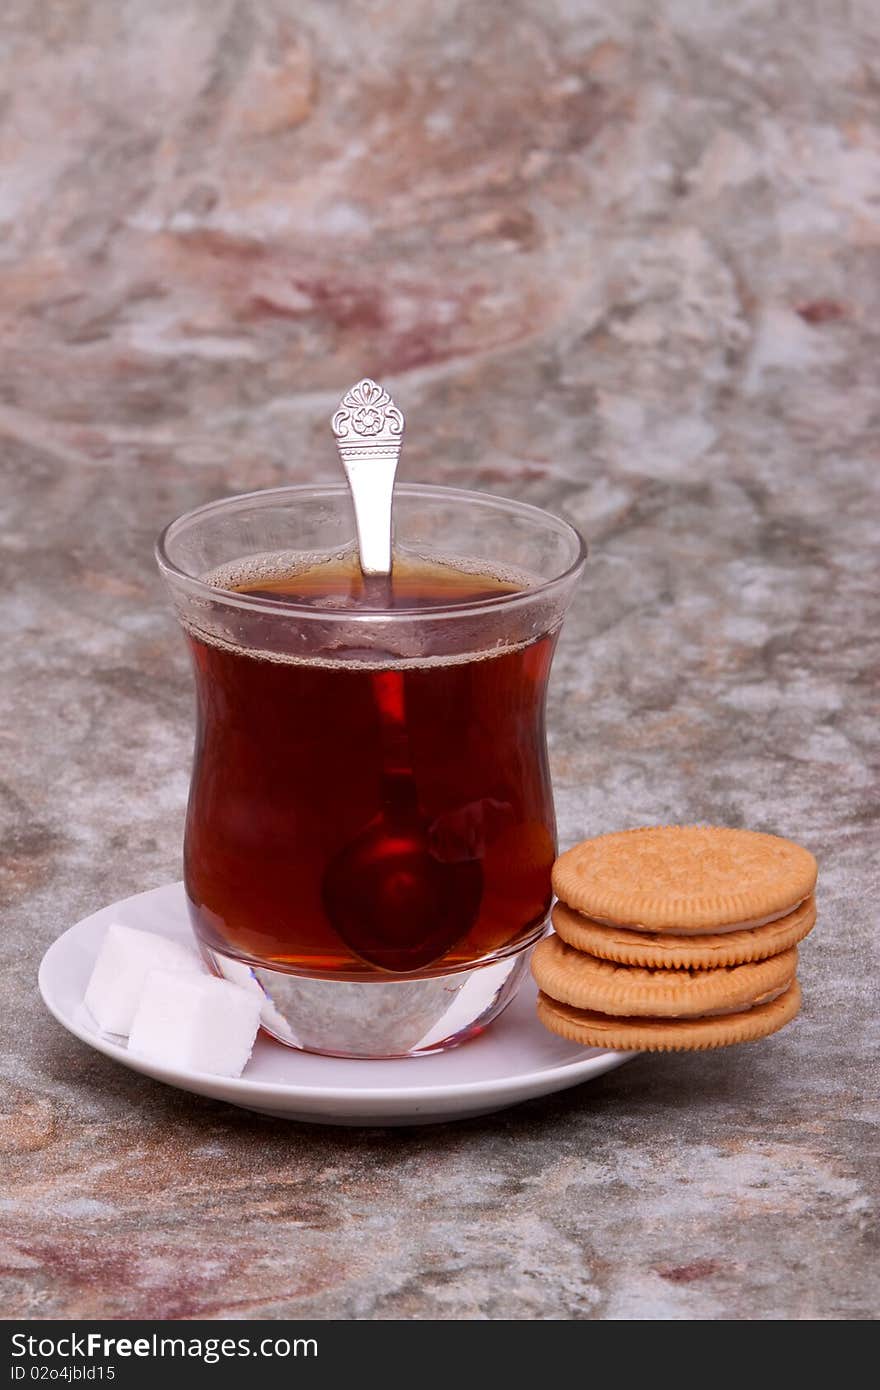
<point>336,582</point>
<point>335,585</point>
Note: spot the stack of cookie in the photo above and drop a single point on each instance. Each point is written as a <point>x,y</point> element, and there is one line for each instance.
<point>675,937</point>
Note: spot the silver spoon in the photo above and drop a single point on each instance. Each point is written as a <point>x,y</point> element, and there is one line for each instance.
<point>369,433</point>
<point>389,897</point>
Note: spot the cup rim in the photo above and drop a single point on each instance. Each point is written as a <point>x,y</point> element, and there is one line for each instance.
<point>199,589</point>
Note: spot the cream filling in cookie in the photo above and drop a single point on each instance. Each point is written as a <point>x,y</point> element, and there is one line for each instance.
<point>700,931</point>
<point>743,1008</point>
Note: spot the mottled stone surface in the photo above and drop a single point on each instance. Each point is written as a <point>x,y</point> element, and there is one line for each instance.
<point>620,260</point>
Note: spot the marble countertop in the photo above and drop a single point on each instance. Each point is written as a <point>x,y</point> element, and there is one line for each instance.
<point>620,261</point>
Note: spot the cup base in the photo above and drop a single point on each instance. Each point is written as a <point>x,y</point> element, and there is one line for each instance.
<point>380,1019</point>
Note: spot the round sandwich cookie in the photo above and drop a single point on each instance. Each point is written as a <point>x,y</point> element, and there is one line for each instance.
<point>668,951</point>
<point>585,982</point>
<point>669,1034</point>
<point>685,879</point>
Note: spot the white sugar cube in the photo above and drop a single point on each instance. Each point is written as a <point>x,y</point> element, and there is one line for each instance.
<point>125,959</point>
<point>195,1023</point>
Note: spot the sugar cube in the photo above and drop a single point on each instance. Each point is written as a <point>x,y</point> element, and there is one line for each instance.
<point>195,1023</point>
<point>125,959</point>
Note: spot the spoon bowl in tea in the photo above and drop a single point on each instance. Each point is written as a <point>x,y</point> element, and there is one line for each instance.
<point>393,901</point>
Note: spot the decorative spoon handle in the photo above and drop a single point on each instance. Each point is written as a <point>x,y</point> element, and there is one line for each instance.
<point>369,432</point>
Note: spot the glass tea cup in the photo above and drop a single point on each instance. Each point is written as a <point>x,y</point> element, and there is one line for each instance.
<point>370,828</point>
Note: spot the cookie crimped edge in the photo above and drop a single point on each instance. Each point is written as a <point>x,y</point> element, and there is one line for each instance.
<point>592,1029</point>
<point>646,910</point>
<point>587,982</point>
<point>669,952</point>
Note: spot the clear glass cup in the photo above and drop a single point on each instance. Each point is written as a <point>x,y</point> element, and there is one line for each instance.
<point>370,826</point>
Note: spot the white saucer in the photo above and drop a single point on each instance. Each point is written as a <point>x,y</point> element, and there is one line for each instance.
<point>514,1060</point>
